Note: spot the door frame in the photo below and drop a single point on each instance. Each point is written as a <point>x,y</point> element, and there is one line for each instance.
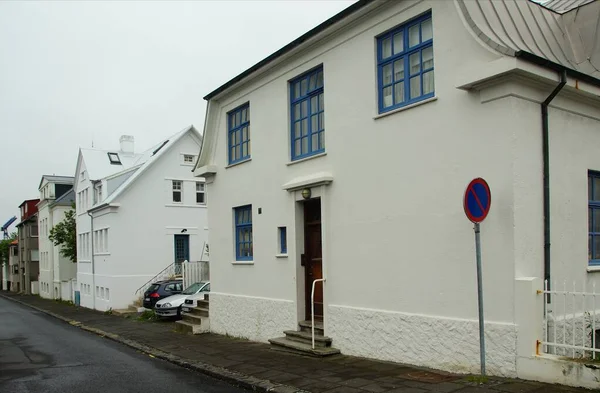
<point>317,191</point>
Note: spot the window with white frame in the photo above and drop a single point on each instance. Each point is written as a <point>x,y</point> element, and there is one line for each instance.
<point>33,230</point>
<point>188,158</point>
<point>101,241</point>
<point>200,193</point>
<point>177,191</point>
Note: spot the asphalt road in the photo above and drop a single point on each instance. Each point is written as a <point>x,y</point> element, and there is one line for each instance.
<point>41,354</point>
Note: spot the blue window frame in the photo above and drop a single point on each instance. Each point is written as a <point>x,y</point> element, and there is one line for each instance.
<point>282,240</point>
<point>594,218</point>
<point>238,126</point>
<point>243,233</point>
<point>405,64</point>
<point>307,109</point>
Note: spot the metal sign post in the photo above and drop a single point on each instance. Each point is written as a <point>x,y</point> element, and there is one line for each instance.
<point>477,203</point>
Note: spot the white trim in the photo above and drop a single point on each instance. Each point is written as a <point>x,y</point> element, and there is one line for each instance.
<point>242,263</point>
<point>238,163</point>
<point>428,100</point>
<point>592,269</point>
<point>306,158</point>
<point>102,253</point>
<point>281,255</point>
<point>177,204</point>
<point>181,179</point>
<point>313,180</point>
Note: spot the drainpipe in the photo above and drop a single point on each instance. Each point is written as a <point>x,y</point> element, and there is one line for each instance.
<point>92,260</point>
<point>546,155</point>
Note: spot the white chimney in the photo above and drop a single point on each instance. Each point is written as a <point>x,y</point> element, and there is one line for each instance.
<point>126,144</point>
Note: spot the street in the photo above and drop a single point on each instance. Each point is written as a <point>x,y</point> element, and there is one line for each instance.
<point>42,354</point>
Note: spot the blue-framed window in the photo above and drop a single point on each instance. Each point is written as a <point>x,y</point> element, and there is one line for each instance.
<point>307,109</point>
<point>282,240</point>
<point>594,218</point>
<point>243,233</point>
<point>405,64</point>
<point>238,126</point>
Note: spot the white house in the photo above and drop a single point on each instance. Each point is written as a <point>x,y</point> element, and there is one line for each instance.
<point>345,155</point>
<point>56,272</point>
<point>137,214</point>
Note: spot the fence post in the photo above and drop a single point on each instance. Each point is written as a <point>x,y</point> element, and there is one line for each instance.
<point>529,315</point>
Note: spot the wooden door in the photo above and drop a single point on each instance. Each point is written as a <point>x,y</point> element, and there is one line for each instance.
<point>313,262</point>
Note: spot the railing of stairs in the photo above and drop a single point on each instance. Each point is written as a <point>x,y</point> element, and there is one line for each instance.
<point>312,308</point>
<point>174,269</point>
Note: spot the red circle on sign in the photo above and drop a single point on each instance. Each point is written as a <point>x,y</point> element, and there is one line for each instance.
<point>470,192</point>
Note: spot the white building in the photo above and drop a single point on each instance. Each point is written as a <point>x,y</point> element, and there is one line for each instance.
<point>136,215</point>
<point>56,272</point>
<point>342,156</point>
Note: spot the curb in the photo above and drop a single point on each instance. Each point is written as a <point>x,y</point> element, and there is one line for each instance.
<point>233,377</point>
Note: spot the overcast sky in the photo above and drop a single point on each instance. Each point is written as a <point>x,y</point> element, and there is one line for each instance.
<point>76,72</point>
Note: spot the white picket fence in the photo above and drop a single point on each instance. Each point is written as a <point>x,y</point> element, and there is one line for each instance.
<point>571,321</point>
<point>195,271</point>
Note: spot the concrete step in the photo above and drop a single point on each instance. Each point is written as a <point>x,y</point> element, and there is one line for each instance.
<point>195,319</point>
<point>306,338</point>
<point>202,304</point>
<point>187,327</point>
<point>199,312</point>
<point>305,326</point>
<point>301,348</point>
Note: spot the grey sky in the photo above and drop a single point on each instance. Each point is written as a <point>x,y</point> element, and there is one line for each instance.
<point>73,72</point>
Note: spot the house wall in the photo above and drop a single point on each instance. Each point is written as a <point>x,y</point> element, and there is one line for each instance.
<point>398,251</point>
<point>141,230</point>
<point>64,269</point>
<point>84,260</point>
<point>13,261</point>
<point>46,256</point>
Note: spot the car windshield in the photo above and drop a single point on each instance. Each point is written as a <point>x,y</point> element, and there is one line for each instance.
<point>192,289</point>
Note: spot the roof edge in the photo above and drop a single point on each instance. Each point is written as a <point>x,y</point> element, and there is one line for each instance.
<point>292,45</point>
<point>535,59</point>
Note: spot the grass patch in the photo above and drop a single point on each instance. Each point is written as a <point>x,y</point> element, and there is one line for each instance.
<point>109,311</point>
<point>147,316</point>
<point>65,302</point>
<point>479,379</point>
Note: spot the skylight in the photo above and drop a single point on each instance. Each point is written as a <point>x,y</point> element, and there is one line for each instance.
<point>114,158</point>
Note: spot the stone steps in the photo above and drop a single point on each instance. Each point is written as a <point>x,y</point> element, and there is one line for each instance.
<point>306,338</point>
<point>305,326</point>
<point>302,348</point>
<point>195,321</point>
<point>184,326</point>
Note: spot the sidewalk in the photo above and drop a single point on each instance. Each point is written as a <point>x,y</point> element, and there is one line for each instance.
<point>257,366</point>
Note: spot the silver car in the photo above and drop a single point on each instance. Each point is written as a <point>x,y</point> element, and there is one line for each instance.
<point>171,306</point>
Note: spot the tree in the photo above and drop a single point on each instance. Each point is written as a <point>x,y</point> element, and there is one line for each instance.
<point>4,245</point>
<point>64,235</point>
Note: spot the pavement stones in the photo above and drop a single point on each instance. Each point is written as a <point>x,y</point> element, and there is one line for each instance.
<point>258,367</point>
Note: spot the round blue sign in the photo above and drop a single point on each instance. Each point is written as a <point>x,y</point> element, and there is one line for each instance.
<point>477,200</point>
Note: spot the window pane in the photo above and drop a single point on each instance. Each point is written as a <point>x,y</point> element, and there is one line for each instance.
<point>428,83</point>
<point>321,121</point>
<point>176,196</point>
<point>305,127</point>
<point>314,123</point>
<point>399,70</point>
<point>304,145</point>
<point>387,97</point>
<point>245,134</point>
<point>200,197</point>
<point>244,115</point>
<point>415,63</point>
<point>415,87</point>
<point>238,151</point>
<point>244,149</point>
<point>590,183</point>
<point>303,86</point>
<point>387,74</point>
<point>427,58</point>
<point>232,154</point>
<point>297,129</point>
<point>320,79</point>
<point>321,103</point>
<point>590,220</point>
<point>304,109</point>
<point>297,111</point>
<point>322,140</point>
<point>315,142</point>
<point>297,90</point>
<point>596,196</point>
<point>238,118</point>
<point>399,42</point>
<point>426,30</point>
<point>590,245</point>
<point>596,247</point>
<point>399,92</point>
<point>249,145</point>
<point>386,48</point>
<point>413,36</point>
<point>314,104</point>
<point>312,82</point>
<point>297,151</point>
<point>596,222</point>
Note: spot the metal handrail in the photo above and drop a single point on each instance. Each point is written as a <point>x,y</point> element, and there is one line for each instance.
<point>312,308</point>
<point>154,278</point>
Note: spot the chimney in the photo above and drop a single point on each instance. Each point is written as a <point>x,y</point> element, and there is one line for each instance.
<point>126,142</point>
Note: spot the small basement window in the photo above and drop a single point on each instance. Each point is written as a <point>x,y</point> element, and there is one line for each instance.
<point>282,231</point>
<point>114,158</point>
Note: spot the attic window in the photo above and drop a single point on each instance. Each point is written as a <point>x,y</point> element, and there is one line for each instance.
<point>188,158</point>
<point>114,158</point>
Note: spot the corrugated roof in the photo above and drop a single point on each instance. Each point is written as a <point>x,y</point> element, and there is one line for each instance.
<point>562,6</point>
<point>512,26</point>
<point>98,165</point>
<point>146,160</point>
